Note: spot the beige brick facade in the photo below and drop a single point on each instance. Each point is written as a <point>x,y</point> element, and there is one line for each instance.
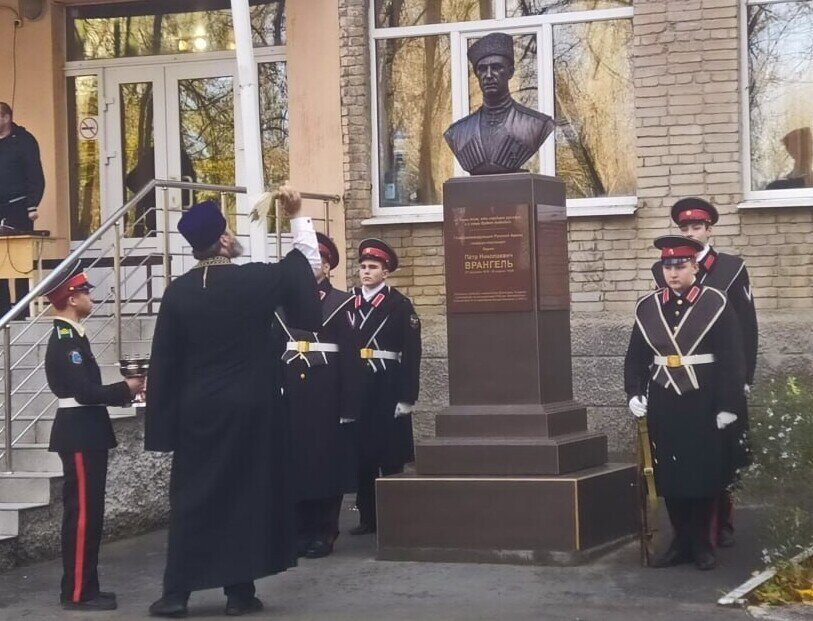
<point>686,70</point>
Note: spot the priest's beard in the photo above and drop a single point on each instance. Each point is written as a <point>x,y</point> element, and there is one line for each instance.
<point>235,249</point>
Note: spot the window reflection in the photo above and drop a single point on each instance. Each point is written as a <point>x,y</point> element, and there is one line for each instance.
<point>149,29</point>
<point>274,127</point>
<point>519,8</point>
<point>414,109</point>
<point>392,13</point>
<point>85,197</point>
<point>523,85</point>
<point>780,80</point>
<point>595,134</point>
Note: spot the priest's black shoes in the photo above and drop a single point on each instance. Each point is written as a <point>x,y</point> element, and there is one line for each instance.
<point>320,549</point>
<point>362,529</point>
<point>705,560</point>
<point>238,606</point>
<point>673,556</point>
<point>100,602</point>
<point>169,607</point>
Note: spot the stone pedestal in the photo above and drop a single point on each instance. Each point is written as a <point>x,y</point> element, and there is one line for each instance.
<point>513,475</point>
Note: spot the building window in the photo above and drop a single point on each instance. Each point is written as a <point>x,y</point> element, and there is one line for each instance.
<point>153,28</point>
<point>573,61</point>
<point>779,43</point>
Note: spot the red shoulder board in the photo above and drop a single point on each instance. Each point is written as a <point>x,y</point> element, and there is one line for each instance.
<point>665,295</point>
<point>377,300</point>
<point>693,293</point>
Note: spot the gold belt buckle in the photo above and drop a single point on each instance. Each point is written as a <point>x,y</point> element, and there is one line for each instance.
<point>649,471</point>
<point>366,353</point>
<point>303,347</point>
<point>673,361</point>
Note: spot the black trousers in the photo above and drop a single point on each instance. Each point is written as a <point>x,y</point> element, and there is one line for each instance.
<point>365,496</point>
<point>318,519</point>
<point>16,215</point>
<point>724,518</point>
<point>82,521</point>
<point>691,520</point>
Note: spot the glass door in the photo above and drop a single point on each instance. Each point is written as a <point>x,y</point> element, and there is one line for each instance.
<point>202,130</point>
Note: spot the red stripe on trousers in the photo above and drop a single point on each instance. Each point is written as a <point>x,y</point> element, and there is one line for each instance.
<point>81,526</point>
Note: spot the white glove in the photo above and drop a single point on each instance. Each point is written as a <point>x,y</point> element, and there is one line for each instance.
<point>345,421</point>
<point>638,407</point>
<point>724,419</point>
<point>403,409</point>
<point>746,390</point>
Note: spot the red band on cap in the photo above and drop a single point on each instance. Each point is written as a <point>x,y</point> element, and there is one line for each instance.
<point>679,252</point>
<point>694,215</point>
<point>67,288</point>
<point>376,253</point>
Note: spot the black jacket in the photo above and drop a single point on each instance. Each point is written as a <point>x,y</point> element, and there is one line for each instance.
<point>20,168</point>
<point>72,372</point>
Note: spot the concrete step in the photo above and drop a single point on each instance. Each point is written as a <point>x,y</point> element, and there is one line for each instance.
<point>28,487</point>
<point>35,458</point>
<point>10,516</point>
<point>510,456</point>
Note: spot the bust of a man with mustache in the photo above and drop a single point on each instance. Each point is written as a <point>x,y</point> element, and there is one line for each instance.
<point>502,134</point>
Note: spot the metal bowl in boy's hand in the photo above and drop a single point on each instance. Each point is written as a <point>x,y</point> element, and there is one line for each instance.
<point>134,367</point>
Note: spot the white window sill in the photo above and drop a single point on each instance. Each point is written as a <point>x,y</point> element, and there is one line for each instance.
<point>776,203</point>
<point>573,211</point>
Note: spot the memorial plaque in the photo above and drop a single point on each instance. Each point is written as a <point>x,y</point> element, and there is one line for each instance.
<point>488,252</point>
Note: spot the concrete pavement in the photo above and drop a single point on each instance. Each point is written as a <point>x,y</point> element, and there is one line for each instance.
<point>351,586</point>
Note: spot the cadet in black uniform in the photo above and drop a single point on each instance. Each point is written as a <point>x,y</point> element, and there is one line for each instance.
<point>82,435</point>
<point>322,382</point>
<point>389,333</point>
<point>684,371</point>
<point>725,272</point>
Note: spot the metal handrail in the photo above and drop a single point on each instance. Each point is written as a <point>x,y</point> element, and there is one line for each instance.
<point>120,253</point>
<point>113,222</point>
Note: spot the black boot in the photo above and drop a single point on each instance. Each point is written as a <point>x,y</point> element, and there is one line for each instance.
<point>320,549</point>
<point>676,554</point>
<point>238,606</point>
<point>170,606</point>
<point>97,603</point>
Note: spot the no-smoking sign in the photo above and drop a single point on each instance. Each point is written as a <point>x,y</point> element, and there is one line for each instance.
<point>88,128</point>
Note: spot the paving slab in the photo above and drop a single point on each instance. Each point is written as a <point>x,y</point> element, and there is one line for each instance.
<point>351,586</point>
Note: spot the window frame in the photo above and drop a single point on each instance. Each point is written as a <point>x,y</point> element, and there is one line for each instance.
<point>759,199</point>
<point>458,32</point>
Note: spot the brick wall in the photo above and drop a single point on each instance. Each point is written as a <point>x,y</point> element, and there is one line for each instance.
<point>688,114</point>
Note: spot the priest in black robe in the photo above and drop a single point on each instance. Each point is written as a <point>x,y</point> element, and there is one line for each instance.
<point>214,401</point>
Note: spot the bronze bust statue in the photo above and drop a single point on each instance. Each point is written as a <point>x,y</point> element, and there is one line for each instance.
<point>502,134</point>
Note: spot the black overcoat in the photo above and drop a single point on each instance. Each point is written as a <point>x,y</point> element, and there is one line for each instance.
<point>213,398</point>
<point>728,273</point>
<point>688,449</point>
<point>321,389</point>
<point>388,322</point>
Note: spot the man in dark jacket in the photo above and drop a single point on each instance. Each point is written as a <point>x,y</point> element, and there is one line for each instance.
<point>389,333</point>
<point>322,380</point>
<point>214,400</point>
<point>684,371</point>
<point>22,185</point>
<point>728,274</point>
<point>82,435</point>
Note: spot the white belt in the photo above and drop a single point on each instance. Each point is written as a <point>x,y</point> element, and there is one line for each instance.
<point>73,403</point>
<point>16,200</point>
<point>379,354</point>
<point>672,362</point>
<point>303,347</point>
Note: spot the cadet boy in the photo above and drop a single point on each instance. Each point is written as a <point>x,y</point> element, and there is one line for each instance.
<point>82,435</point>
<point>322,381</point>
<point>727,273</point>
<point>684,371</point>
<point>389,334</point>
